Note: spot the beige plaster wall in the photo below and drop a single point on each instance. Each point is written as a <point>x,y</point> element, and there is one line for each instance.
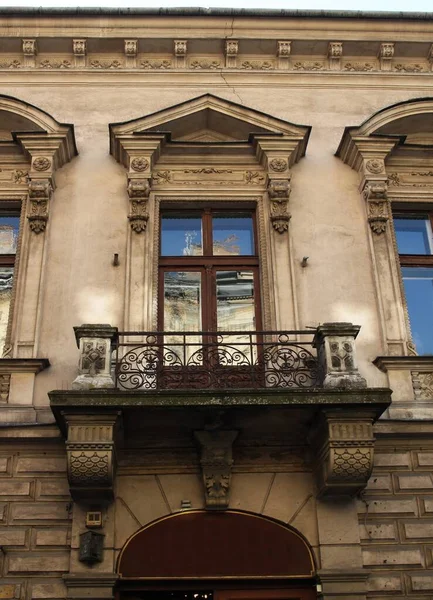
<point>88,213</point>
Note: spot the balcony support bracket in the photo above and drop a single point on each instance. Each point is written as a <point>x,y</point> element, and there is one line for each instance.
<point>91,455</point>
<point>343,445</point>
<point>216,464</point>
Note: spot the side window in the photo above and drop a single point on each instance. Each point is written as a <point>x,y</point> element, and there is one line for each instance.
<point>415,247</point>
<point>9,229</point>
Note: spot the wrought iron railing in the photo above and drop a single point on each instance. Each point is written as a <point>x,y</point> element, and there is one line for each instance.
<point>215,360</point>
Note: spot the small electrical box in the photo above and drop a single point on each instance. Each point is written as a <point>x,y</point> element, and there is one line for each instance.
<point>94,519</point>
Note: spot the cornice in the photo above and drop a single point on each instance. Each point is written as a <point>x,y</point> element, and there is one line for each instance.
<point>23,365</point>
<point>408,363</point>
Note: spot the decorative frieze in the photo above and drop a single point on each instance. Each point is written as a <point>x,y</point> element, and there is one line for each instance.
<point>162,64</point>
<point>409,68</point>
<point>231,53</point>
<point>94,368</point>
<point>91,455</point>
<point>343,445</point>
<point>335,53</point>
<point>180,51</point>
<point>386,54</point>
<point>105,64</point>
<point>359,66</point>
<point>279,194</point>
<point>308,65</point>
<point>206,63</point>
<point>216,463</point>
<point>55,64</point>
<point>258,65</point>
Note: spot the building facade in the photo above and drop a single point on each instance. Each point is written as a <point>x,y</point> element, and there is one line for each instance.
<point>216,304</point>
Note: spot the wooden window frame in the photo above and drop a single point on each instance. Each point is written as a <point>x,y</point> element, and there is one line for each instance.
<point>209,264</point>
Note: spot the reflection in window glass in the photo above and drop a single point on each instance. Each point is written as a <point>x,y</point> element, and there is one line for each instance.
<point>413,235</point>
<point>181,236</point>
<point>418,284</point>
<point>9,234</point>
<point>236,311</point>
<point>6,281</point>
<point>232,235</point>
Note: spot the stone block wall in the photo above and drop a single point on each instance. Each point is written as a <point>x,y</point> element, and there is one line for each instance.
<point>35,523</point>
<point>396,524</point>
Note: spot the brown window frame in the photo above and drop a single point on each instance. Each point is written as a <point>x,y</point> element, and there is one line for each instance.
<point>208,264</point>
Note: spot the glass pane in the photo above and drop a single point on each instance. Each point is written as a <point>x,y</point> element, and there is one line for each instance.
<point>236,312</point>
<point>6,280</point>
<point>413,235</point>
<point>232,235</point>
<point>418,284</point>
<point>9,234</point>
<point>182,312</point>
<point>181,236</point>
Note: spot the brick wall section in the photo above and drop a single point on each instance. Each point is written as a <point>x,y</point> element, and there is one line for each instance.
<point>35,524</point>
<point>396,525</point>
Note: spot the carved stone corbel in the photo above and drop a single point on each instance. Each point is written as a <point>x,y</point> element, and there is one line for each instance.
<point>279,193</point>
<point>216,463</point>
<point>40,191</point>
<point>91,455</point>
<point>138,192</point>
<point>376,195</point>
<point>343,446</point>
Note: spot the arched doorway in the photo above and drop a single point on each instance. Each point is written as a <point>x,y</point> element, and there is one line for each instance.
<point>202,555</point>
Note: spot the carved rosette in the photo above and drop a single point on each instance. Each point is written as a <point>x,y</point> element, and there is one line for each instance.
<point>344,448</point>
<point>40,191</point>
<point>91,456</point>
<point>216,462</point>
<point>279,193</point>
<point>138,192</point>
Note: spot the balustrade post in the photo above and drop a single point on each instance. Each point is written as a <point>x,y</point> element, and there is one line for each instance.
<point>335,343</point>
<point>96,343</point>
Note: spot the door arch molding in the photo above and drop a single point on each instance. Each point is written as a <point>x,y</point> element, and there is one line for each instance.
<point>229,545</point>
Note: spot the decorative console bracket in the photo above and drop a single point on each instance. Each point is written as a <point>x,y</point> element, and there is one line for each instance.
<point>91,456</point>
<point>95,343</point>
<point>343,445</point>
<point>335,343</point>
<point>216,463</point>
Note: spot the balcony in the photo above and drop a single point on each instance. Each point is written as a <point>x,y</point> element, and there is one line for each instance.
<point>148,361</point>
<point>223,392</point>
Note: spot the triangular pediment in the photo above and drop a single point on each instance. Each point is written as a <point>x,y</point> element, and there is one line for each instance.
<point>208,119</point>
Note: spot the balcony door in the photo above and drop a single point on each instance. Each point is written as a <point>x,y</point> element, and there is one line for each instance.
<point>209,286</point>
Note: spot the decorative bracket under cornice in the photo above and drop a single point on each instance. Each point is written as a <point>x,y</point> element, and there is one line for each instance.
<point>91,454</point>
<point>343,444</point>
<point>216,463</point>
